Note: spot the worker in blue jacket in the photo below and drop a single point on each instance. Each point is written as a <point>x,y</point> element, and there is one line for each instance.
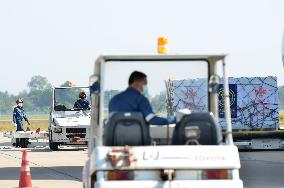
<point>132,100</point>
<point>82,102</point>
<point>19,115</point>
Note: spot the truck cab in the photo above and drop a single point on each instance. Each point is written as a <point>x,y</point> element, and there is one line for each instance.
<point>125,151</point>
<point>68,124</point>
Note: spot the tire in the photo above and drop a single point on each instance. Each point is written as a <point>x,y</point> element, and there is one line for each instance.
<point>52,145</point>
<point>17,144</point>
<point>24,142</point>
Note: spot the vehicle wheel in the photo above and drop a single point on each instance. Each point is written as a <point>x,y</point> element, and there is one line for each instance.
<point>52,145</point>
<point>17,144</point>
<point>24,142</point>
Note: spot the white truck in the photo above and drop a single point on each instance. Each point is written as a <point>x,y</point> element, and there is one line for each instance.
<point>124,151</point>
<point>263,138</point>
<point>68,125</point>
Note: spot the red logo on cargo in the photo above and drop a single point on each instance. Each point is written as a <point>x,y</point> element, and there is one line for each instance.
<point>260,92</point>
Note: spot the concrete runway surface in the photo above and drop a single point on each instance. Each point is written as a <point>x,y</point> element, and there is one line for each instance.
<point>261,169</point>
<point>49,169</point>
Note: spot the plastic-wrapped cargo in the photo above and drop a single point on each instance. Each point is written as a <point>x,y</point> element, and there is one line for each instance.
<point>254,100</point>
<point>191,94</point>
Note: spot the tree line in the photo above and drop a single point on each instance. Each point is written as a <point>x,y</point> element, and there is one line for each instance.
<point>38,97</point>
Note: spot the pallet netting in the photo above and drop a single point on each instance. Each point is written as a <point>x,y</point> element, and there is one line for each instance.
<point>191,94</point>
<point>254,100</point>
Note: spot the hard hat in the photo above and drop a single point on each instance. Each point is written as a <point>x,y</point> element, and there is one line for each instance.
<point>19,101</point>
<point>82,95</point>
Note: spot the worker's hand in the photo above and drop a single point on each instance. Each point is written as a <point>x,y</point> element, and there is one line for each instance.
<point>28,123</point>
<point>15,124</point>
<point>172,119</point>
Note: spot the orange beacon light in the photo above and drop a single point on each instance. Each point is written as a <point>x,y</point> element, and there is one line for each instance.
<point>162,45</point>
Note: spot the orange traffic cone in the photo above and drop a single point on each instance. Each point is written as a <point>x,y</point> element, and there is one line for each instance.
<point>25,176</point>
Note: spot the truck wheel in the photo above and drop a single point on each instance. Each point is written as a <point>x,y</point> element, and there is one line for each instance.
<point>52,145</point>
<point>24,142</point>
<point>17,144</point>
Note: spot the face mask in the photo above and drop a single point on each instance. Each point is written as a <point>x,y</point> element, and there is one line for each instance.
<point>145,91</point>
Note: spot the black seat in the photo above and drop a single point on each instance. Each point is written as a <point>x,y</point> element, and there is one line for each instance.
<point>126,129</point>
<point>60,107</point>
<point>203,124</point>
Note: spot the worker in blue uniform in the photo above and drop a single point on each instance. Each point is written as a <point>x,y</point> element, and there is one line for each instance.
<point>82,102</point>
<point>19,115</point>
<point>133,100</point>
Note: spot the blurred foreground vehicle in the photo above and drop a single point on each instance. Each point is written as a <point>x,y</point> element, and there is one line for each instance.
<point>124,151</point>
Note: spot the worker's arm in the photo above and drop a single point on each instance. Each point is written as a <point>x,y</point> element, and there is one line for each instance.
<point>111,106</point>
<point>158,121</point>
<point>89,105</point>
<point>25,118</point>
<point>146,109</point>
<point>14,116</point>
<point>76,105</point>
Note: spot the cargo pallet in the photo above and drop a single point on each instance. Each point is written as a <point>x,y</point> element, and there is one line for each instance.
<point>24,138</point>
<point>259,139</point>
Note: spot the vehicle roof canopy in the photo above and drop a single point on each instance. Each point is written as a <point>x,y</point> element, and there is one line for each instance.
<point>98,97</point>
<point>66,87</point>
<point>135,58</point>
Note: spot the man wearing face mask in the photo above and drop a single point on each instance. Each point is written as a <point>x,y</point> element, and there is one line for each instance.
<point>19,115</point>
<point>132,100</point>
<point>82,103</point>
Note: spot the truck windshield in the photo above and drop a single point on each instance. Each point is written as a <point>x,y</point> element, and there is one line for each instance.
<point>65,99</point>
<point>184,83</point>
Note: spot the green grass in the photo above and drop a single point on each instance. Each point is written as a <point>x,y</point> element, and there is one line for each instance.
<point>37,121</point>
<point>9,117</point>
<point>281,118</point>
<point>41,121</point>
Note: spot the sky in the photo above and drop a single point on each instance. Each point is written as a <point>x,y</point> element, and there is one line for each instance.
<point>61,39</point>
<point>175,70</point>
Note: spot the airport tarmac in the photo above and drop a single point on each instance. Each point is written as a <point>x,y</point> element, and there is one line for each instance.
<point>49,168</point>
<point>260,169</point>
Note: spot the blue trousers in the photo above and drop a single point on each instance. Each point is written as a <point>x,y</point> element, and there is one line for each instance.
<point>19,125</point>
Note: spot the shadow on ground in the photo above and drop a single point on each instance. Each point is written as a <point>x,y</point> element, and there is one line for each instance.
<point>40,149</point>
<point>257,173</point>
<point>44,173</point>
<point>5,144</point>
